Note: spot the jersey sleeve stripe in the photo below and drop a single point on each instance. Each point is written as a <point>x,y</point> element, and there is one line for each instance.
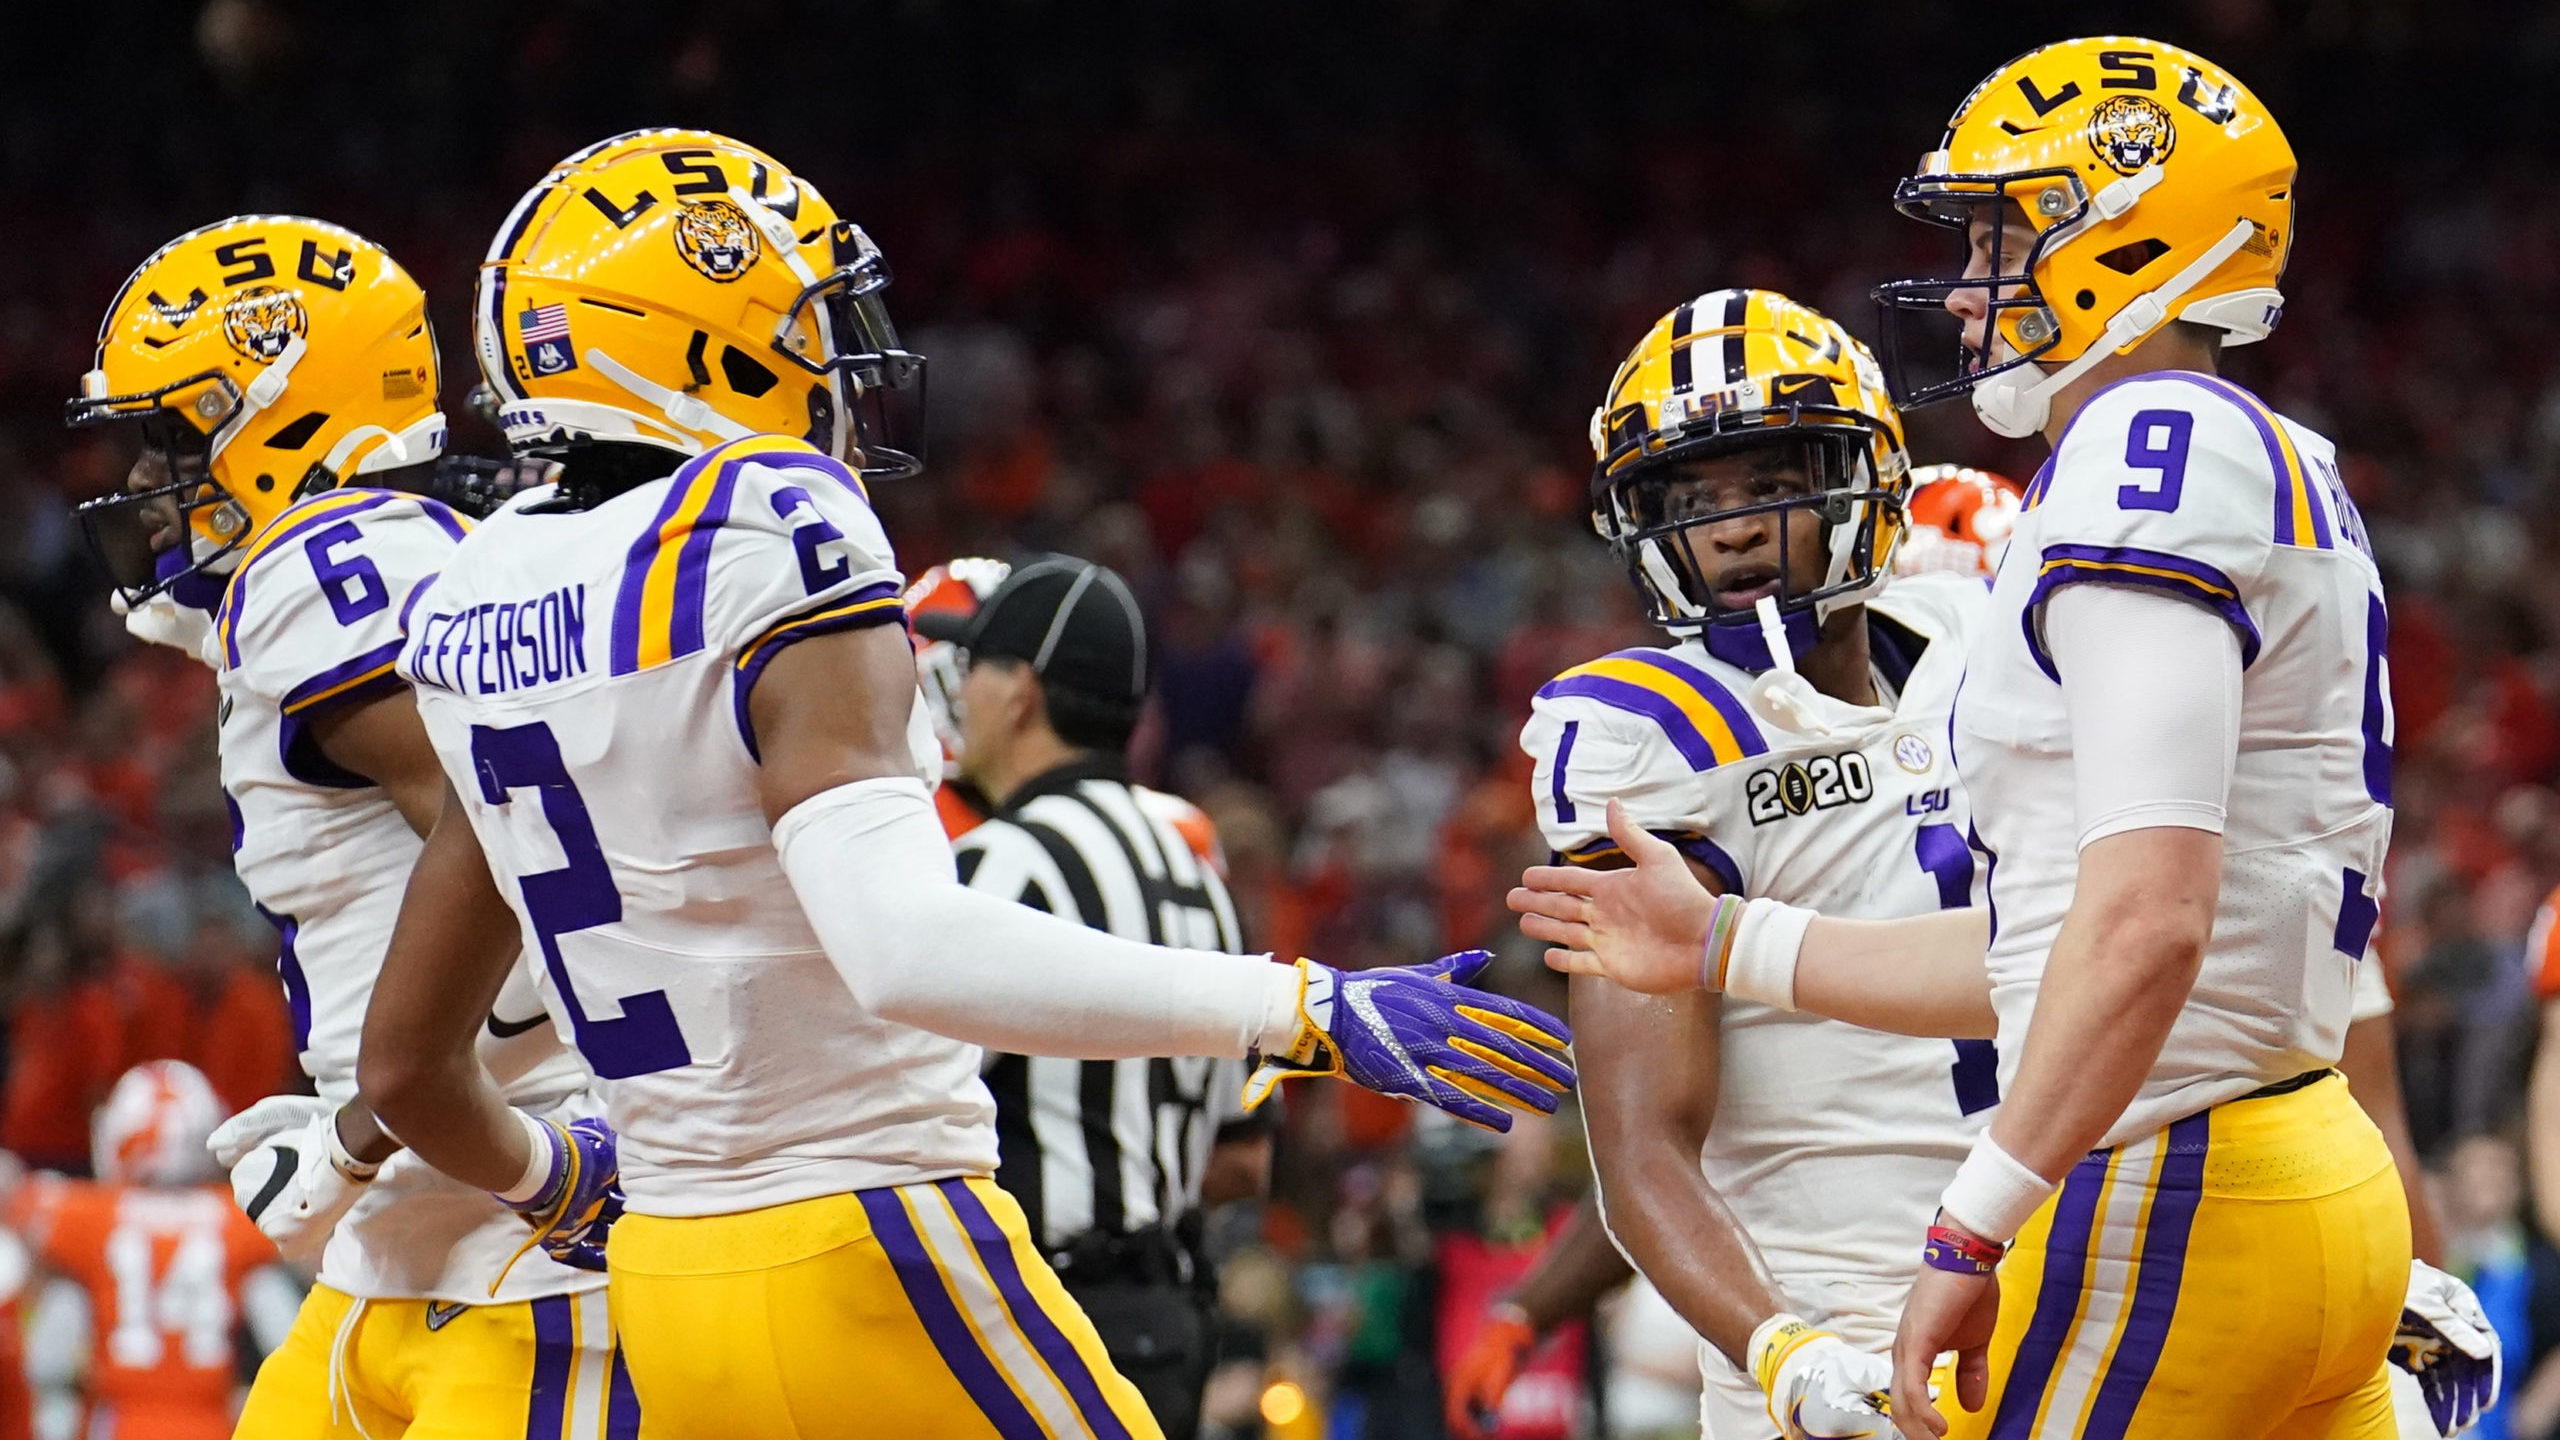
<point>2148,569</point>
<point>364,675</point>
<point>878,604</point>
<point>657,608</point>
<point>443,514</point>
<point>1697,847</point>
<point>1701,718</point>
<point>2300,519</point>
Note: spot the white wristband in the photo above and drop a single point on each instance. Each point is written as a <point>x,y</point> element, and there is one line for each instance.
<point>345,1161</point>
<point>1993,1193</point>
<point>537,1171</point>
<point>1766,942</point>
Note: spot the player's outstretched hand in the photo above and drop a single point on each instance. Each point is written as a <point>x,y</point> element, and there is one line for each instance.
<point>1418,1033</point>
<point>286,1172</point>
<point>575,1209</point>
<point>2446,1341</point>
<point>1646,927</point>
<point>1944,1311</point>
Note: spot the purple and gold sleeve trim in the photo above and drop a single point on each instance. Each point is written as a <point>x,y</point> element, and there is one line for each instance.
<point>1703,720</point>
<point>878,604</point>
<point>367,676</point>
<point>2144,569</point>
<point>1697,847</point>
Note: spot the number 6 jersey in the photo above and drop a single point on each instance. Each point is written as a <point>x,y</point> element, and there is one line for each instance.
<point>1830,1142</point>
<point>309,620</point>
<point>584,675</point>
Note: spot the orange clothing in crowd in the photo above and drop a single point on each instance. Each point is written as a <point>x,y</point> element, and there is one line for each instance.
<point>2542,948</point>
<point>66,1049</point>
<point>163,1270</point>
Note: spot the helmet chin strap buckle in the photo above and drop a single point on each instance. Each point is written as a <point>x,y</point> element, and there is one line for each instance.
<point>2019,410</point>
<point>260,393</point>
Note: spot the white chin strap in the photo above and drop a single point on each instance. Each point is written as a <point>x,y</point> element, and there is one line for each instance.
<point>2017,402</point>
<point>414,445</point>
<point>262,393</point>
<point>1773,633</point>
<point>685,412</point>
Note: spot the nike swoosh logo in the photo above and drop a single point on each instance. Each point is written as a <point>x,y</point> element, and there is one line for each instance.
<point>509,1029</point>
<point>1806,384</point>
<point>440,1313</point>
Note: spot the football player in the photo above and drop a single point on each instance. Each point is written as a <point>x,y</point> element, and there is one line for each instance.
<point>272,371</point>
<point>956,588</point>
<point>1766,1169</point>
<point>2176,732</point>
<point>165,1266</point>
<point>690,764</point>
<point>1959,519</point>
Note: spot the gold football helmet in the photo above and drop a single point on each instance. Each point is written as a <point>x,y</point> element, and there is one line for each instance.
<point>263,358</point>
<point>677,289</point>
<point>2153,186</point>
<point>1730,370</point>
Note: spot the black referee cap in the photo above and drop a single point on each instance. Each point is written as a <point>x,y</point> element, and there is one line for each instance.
<point>1072,621</point>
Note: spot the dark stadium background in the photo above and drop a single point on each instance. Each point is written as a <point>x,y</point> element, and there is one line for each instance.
<point>1295,313</point>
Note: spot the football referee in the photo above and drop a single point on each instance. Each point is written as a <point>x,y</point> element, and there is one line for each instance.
<point>1111,1160</point>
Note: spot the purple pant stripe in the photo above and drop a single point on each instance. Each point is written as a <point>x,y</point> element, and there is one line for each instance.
<point>996,1249</point>
<point>2066,1264</point>
<point>1555,782</point>
<point>622,1413</point>
<point>555,1344</point>
<point>934,1307</point>
<point>2156,1281</point>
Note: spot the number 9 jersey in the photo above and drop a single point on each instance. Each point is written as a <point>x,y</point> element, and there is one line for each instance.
<point>1830,1142</point>
<point>2188,485</point>
<point>584,675</point>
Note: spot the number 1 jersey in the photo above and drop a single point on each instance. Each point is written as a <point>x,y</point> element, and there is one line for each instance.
<point>585,677</point>
<point>1830,1142</point>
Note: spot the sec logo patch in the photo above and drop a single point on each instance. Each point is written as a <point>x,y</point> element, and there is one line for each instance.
<point>1913,754</point>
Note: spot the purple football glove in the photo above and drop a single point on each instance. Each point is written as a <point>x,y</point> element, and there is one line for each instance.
<point>2446,1341</point>
<point>1418,1033</point>
<point>577,1206</point>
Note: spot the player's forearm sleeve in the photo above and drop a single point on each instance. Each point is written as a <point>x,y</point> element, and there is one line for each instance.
<point>2152,686</point>
<point>875,875</point>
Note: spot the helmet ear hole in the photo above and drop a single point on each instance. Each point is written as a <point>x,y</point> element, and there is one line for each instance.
<point>745,373</point>
<point>297,434</point>
<point>2130,259</point>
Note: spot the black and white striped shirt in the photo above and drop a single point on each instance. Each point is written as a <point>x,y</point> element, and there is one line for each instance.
<point>1114,1145</point>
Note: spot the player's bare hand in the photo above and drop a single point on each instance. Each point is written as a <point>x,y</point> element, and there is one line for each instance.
<point>1945,1311</point>
<point>1644,927</point>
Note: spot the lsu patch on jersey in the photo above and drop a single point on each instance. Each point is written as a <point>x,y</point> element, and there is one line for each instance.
<point>2189,485</point>
<point>1830,1142</point>
<point>585,676</point>
<point>311,620</point>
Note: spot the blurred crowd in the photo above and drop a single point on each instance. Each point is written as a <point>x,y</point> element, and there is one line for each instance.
<point>1296,321</point>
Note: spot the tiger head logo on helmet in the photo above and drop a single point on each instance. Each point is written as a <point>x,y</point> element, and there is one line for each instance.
<point>1808,519</point>
<point>2105,187</point>
<point>665,291</point>
<point>256,361</point>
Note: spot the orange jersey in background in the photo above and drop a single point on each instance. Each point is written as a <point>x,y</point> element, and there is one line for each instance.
<point>2542,948</point>
<point>162,1269</point>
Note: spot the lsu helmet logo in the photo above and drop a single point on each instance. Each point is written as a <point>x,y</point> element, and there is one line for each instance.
<point>2131,132</point>
<point>261,320</point>
<point>715,238</point>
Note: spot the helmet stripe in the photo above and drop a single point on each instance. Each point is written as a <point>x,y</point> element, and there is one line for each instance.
<point>1737,310</point>
<point>1681,320</point>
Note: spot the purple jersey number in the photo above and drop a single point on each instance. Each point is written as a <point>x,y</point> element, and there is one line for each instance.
<point>815,575</point>
<point>353,585</point>
<point>2157,441</point>
<point>578,896</point>
<point>1949,860</point>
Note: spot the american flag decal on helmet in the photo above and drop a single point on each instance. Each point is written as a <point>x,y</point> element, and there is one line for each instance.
<point>545,329</point>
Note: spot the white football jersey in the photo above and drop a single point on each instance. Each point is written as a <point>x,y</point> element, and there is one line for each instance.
<point>2189,485</point>
<point>310,619</point>
<point>585,675</point>
<point>1830,1142</point>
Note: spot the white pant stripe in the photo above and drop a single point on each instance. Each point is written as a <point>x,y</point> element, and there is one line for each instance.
<point>2114,1241</point>
<point>957,1259</point>
<point>590,1366</point>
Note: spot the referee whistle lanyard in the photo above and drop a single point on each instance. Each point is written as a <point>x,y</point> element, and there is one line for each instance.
<point>1786,699</point>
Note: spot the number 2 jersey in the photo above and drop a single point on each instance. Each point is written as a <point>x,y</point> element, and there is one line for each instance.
<point>2190,486</point>
<point>1830,1142</point>
<point>311,620</point>
<point>585,676</point>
